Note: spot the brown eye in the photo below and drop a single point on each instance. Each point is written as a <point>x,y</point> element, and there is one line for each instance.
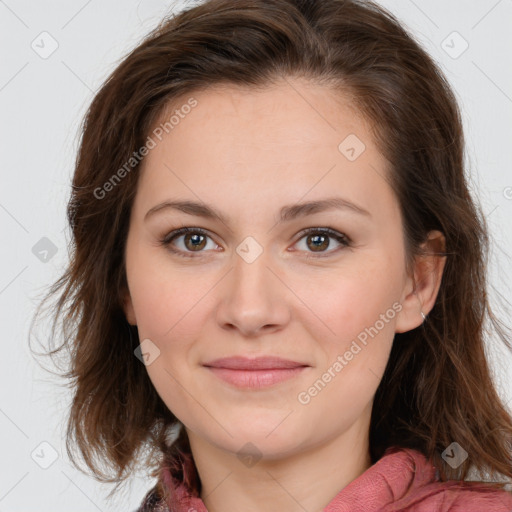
<point>185,241</point>
<point>318,240</point>
<point>194,241</point>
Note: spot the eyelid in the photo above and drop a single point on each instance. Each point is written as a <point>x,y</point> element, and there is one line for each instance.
<point>175,233</point>
<point>324,230</point>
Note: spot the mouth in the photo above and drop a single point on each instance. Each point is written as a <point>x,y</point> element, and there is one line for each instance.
<point>261,372</point>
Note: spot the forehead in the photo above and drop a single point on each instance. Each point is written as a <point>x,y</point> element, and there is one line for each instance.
<point>292,136</point>
<point>290,112</point>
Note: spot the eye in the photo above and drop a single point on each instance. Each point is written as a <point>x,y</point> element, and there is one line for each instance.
<point>194,240</point>
<point>318,239</point>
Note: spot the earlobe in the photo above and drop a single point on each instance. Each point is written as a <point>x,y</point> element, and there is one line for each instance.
<point>424,285</point>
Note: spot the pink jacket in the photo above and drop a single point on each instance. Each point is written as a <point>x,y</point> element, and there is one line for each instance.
<point>401,481</point>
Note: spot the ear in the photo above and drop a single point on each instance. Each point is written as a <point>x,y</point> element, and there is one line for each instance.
<point>128,309</point>
<point>421,289</point>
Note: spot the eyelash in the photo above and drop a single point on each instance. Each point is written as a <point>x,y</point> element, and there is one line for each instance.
<point>344,240</point>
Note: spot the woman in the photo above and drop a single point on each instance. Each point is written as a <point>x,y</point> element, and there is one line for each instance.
<point>276,257</point>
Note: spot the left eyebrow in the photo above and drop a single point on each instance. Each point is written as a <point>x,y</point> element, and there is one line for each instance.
<point>286,214</point>
<point>291,212</point>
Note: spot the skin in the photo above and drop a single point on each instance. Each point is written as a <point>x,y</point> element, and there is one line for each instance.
<point>248,153</point>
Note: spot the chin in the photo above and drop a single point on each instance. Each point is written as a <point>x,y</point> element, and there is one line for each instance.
<point>264,441</point>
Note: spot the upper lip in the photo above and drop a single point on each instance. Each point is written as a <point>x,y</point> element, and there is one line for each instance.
<point>258,363</point>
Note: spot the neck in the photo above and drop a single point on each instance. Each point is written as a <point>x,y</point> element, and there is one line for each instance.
<point>305,480</point>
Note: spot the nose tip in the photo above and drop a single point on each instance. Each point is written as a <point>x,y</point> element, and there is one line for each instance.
<point>252,329</point>
<point>253,301</point>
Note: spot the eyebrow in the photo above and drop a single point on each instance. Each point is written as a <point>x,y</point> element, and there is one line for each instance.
<point>286,214</point>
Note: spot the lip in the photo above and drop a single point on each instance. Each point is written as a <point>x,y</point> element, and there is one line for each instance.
<point>257,363</point>
<point>255,373</point>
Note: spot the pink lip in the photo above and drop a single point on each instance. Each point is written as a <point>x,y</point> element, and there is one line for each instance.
<point>258,363</point>
<point>255,373</point>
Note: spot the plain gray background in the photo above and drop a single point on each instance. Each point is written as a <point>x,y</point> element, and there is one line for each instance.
<point>43,99</point>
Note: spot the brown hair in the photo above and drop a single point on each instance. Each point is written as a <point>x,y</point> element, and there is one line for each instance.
<point>437,387</point>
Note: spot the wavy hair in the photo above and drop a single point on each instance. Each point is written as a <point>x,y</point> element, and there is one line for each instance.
<point>437,387</point>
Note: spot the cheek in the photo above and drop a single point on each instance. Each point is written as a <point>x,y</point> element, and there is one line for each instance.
<point>167,301</point>
<point>170,313</point>
<point>341,304</point>
<point>357,307</point>
<point>354,363</point>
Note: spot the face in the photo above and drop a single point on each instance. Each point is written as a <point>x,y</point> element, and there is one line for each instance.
<point>264,277</point>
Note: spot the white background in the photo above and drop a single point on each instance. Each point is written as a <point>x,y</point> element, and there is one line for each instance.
<point>42,102</point>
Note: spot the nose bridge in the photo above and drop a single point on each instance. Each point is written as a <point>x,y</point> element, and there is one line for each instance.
<point>254,297</point>
<point>251,274</point>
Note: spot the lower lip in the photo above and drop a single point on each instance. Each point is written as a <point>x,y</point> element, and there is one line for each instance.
<point>256,378</point>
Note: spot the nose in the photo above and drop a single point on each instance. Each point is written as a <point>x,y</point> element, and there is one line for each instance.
<point>254,298</point>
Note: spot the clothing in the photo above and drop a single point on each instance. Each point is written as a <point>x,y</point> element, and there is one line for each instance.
<point>403,480</point>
